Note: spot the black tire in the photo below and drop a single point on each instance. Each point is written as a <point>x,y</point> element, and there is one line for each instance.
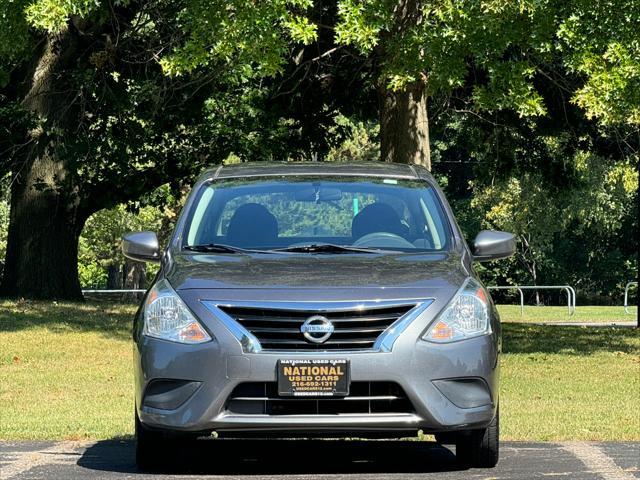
<point>150,447</point>
<point>480,448</point>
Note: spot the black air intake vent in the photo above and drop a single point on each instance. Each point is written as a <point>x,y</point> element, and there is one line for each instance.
<point>261,398</point>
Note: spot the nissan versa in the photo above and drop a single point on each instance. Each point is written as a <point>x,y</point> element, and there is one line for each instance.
<point>318,299</point>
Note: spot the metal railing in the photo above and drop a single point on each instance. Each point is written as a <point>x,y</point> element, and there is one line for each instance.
<point>571,293</point>
<point>626,295</point>
<point>114,295</point>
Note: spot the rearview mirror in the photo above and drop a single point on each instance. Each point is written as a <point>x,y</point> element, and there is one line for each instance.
<point>493,245</point>
<point>321,194</point>
<point>141,246</point>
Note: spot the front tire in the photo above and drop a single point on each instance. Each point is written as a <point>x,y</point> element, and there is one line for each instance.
<point>150,445</point>
<point>480,448</point>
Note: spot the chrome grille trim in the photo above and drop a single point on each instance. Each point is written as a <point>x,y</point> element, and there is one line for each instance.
<point>382,338</point>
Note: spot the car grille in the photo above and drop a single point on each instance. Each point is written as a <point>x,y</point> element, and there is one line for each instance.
<point>261,398</point>
<point>278,329</point>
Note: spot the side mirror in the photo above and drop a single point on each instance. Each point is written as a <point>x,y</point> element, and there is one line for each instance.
<point>141,246</point>
<point>492,245</point>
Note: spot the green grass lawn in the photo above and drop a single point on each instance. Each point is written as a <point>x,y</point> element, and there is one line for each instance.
<point>511,313</point>
<point>65,373</point>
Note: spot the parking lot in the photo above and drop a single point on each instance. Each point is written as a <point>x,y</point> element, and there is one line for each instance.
<point>317,459</point>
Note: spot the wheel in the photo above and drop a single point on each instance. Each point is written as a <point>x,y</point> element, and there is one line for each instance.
<point>150,447</point>
<point>480,448</point>
<point>156,449</point>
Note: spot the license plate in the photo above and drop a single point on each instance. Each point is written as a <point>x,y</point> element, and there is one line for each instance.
<point>313,378</point>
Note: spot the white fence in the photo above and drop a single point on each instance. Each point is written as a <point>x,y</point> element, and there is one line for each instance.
<point>571,293</point>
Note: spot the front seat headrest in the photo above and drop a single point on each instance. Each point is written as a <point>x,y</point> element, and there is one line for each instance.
<point>377,217</point>
<point>252,225</point>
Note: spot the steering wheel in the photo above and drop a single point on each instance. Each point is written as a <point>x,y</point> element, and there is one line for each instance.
<point>382,240</point>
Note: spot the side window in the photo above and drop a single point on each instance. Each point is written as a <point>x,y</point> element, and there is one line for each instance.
<point>203,230</point>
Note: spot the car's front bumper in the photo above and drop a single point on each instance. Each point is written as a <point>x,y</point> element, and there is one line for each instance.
<point>217,367</point>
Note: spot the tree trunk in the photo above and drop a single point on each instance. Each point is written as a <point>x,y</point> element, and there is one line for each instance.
<point>134,275</point>
<point>135,278</point>
<point>530,265</point>
<point>42,244</point>
<point>404,126</point>
<point>45,223</point>
<point>114,278</point>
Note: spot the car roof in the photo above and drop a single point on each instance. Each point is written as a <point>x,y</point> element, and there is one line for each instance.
<point>353,169</point>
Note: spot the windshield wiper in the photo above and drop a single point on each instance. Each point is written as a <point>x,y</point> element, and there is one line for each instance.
<point>220,248</point>
<point>326,248</point>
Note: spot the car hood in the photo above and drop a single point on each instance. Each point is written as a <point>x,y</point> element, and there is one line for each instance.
<point>316,276</point>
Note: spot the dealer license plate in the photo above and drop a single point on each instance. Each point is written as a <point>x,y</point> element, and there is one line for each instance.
<point>313,378</point>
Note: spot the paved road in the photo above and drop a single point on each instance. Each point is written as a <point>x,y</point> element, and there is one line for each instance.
<point>317,459</point>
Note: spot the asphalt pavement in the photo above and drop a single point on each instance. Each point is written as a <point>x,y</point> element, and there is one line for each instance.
<point>318,459</point>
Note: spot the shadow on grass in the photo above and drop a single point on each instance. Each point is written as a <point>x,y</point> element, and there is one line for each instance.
<point>523,338</point>
<point>108,319</point>
<point>279,457</point>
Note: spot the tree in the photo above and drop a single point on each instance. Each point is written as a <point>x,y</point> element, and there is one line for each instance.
<point>423,49</point>
<point>527,209</point>
<point>102,103</point>
<point>101,260</point>
<point>601,44</point>
<point>426,49</point>
<point>504,48</point>
<point>563,182</point>
<point>94,120</point>
<point>4,219</point>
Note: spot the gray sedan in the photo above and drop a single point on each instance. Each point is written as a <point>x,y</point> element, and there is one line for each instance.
<point>317,299</point>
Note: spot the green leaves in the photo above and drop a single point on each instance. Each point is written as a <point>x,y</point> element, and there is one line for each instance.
<point>573,234</point>
<point>239,34</point>
<point>360,23</point>
<point>101,239</point>
<point>606,193</point>
<point>507,44</point>
<point>53,15</point>
<point>510,87</point>
<point>441,42</point>
<point>14,36</point>
<point>601,43</point>
<point>301,29</point>
<point>504,42</point>
<point>611,93</point>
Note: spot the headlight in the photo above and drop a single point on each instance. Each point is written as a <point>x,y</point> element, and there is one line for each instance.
<point>466,316</point>
<point>167,317</point>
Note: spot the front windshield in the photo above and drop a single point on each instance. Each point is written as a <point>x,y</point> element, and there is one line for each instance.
<point>286,212</point>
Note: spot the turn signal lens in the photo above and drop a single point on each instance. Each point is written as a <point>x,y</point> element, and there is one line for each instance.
<point>193,333</point>
<point>466,316</point>
<point>168,318</point>
<point>442,331</point>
